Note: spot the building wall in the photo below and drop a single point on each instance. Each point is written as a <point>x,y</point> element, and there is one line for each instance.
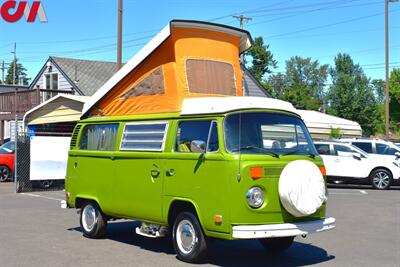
<point>63,84</point>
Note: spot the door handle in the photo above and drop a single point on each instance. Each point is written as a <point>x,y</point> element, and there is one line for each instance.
<point>171,172</point>
<point>155,173</point>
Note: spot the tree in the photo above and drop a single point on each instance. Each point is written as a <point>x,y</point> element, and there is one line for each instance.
<point>351,96</point>
<point>262,60</point>
<point>394,94</point>
<point>302,84</point>
<point>20,71</point>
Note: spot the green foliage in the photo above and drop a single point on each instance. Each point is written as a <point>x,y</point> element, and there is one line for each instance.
<point>335,133</point>
<point>379,88</point>
<point>20,71</point>
<point>302,84</point>
<point>351,96</point>
<point>394,93</point>
<point>262,60</point>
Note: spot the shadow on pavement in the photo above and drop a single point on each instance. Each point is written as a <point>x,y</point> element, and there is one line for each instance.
<point>223,252</point>
<point>361,187</point>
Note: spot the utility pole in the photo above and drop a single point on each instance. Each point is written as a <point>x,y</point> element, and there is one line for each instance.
<point>242,19</point>
<point>387,63</point>
<point>119,48</point>
<point>14,63</point>
<point>2,72</point>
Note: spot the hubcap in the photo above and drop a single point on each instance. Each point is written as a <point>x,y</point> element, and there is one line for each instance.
<point>381,180</point>
<point>89,218</point>
<point>186,236</point>
<point>4,174</point>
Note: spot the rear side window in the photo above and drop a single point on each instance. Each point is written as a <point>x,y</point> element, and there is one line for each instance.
<point>383,149</point>
<point>367,147</point>
<point>144,136</point>
<point>99,137</point>
<point>189,131</point>
<point>323,149</point>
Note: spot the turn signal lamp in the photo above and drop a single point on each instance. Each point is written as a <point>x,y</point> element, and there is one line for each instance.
<point>322,170</point>
<point>256,172</point>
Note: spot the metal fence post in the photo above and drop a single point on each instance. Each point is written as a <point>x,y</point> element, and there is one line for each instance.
<point>16,154</point>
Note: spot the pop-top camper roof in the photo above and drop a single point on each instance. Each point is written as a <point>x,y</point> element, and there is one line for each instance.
<point>186,59</point>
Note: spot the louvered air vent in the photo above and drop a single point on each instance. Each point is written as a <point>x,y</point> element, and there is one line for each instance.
<point>75,136</point>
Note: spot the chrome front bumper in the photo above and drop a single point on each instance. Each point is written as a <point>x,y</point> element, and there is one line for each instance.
<point>282,230</point>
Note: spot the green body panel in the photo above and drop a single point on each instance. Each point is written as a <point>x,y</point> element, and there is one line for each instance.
<point>122,184</point>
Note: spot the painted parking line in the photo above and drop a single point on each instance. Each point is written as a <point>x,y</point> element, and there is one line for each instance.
<point>40,196</point>
<point>352,192</point>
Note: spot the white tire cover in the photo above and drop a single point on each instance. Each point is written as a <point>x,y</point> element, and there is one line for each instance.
<point>302,188</point>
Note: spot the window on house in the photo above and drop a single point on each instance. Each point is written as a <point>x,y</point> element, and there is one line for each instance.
<point>210,77</point>
<point>189,131</point>
<point>151,85</point>
<point>99,137</point>
<point>144,136</point>
<point>51,81</point>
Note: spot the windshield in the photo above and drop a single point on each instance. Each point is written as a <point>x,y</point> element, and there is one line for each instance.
<point>7,148</point>
<point>267,133</point>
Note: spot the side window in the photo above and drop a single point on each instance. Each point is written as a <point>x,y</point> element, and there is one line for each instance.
<point>340,150</point>
<point>367,147</point>
<point>190,132</point>
<point>383,149</point>
<point>7,148</point>
<point>144,136</point>
<point>100,137</point>
<point>323,149</point>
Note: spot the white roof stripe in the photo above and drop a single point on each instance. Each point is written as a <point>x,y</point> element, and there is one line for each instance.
<point>245,43</point>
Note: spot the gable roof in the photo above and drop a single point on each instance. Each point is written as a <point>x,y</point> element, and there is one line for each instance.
<point>251,87</point>
<point>85,76</point>
<point>244,44</point>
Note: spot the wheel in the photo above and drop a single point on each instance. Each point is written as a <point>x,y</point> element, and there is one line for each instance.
<point>188,238</point>
<point>45,183</point>
<point>381,179</point>
<point>5,173</point>
<point>277,244</point>
<point>92,220</point>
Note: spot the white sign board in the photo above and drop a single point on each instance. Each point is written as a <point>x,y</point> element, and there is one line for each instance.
<point>49,155</point>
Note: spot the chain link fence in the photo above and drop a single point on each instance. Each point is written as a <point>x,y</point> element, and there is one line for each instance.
<point>22,168</point>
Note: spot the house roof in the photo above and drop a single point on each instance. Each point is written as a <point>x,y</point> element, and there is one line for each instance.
<point>150,47</point>
<point>252,87</point>
<point>85,76</point>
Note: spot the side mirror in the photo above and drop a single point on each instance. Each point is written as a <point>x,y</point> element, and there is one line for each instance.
<point>397,154</point>
<point>357,156</point>
<point>198,146</point>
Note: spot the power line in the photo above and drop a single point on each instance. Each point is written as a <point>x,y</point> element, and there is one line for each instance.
<point>329,25</point>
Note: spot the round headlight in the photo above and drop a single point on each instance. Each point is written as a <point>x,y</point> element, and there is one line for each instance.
<point>255,197</point>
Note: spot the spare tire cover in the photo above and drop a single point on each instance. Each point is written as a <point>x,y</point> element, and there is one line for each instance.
<point>302,188</point>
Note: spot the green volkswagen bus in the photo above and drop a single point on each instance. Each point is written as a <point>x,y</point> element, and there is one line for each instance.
<point>223,167</point>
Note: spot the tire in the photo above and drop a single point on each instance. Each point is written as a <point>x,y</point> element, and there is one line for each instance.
<point>5,173</point>
<point>381,179</point>
<point>276,244</point>
<point>188,238</point>
<point>92,220</point>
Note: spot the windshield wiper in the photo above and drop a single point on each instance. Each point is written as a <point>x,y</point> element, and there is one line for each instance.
<point>265,151</point>
<point>297,151</point>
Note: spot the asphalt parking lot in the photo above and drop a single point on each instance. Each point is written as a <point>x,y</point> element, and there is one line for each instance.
<point>35,231</point>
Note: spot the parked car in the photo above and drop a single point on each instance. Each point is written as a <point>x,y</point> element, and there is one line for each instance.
<point>346,163</point>
<point>7,161</point>
<point>376,147</point>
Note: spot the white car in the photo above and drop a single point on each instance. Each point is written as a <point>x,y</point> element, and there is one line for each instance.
<point>345,163</point>
<point>376,147</point>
